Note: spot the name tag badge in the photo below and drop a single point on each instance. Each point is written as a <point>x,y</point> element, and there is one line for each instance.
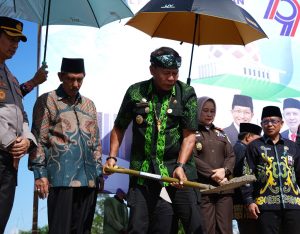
<point>290,160</point>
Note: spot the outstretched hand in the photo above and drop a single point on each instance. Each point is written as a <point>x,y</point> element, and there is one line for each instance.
<point>218,175</point>
<point>42,187</point>
<point>19,147</point>
<point>179,174</point>
<point>253,210</point>
<point>40,76</point>
<point>109,163</point>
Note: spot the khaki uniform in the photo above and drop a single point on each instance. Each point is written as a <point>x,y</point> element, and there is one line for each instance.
<point>212,151</point>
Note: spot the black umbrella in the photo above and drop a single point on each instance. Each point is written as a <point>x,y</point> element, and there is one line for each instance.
<point>200,22</point>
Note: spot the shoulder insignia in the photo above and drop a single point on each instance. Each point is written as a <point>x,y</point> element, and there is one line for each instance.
<point>199,146</point>
<point>219,133</point>
<point>2,95</point>
<point>220,129</point>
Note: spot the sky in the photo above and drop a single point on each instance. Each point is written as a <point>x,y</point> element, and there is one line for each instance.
<point>23,65</point>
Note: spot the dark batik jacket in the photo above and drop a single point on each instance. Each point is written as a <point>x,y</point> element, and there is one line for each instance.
<point>277,169</point>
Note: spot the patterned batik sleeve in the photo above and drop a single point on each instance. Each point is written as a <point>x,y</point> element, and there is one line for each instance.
<point>97,143</point>
<point>189,120</point>
<point>248,168</point>
<point>40,129</point>
<point>297,164</point>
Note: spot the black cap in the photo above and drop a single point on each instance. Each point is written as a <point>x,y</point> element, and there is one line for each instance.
<point>291,103</point>
<point>251,128</point>
<point>242,100</point>
<point>12,27</point>
<point>72,65</point>
<point>269,111</point>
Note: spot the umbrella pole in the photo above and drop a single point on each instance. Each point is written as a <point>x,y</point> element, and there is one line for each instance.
<point>192,53</point>
<point>35,209</point>
<point>46,36</point>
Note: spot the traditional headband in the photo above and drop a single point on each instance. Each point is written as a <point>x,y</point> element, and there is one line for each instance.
<point>166,61</point>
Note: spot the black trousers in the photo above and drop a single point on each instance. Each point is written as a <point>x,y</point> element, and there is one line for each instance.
<point>279,222</point>
<point>247,226</point>
<point>149,213</point>
<point>8,183</point>
<point>71,210</point>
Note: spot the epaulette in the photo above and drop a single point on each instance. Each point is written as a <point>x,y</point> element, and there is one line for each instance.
<point>220,133</point>
<point>220,129</point>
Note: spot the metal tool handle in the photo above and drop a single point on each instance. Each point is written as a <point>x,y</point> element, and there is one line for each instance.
<point>158,177</point>
<point>204,188</point>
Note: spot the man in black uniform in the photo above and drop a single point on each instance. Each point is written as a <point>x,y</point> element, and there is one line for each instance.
<point>248,133</point>
<point>274,199</point>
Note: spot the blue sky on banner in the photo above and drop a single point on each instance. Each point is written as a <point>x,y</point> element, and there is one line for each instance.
<point>118,55</point>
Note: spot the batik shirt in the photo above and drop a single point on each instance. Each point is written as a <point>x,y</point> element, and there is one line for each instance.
<point>277,169</point>
<point>152,150</point>
<point>69,150</point>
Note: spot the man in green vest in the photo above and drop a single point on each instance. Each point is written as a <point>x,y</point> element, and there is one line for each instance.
<point>163,111</point>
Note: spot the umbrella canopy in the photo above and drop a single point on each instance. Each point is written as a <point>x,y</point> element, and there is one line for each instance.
<point>200,22</point>
<point>93,13</point>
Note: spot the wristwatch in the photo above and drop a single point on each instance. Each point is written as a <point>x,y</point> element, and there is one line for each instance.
<point>179,164</point>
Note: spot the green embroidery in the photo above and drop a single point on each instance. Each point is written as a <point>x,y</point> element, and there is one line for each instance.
<point>175,136</point>
<point>161,137</point>
<point>148,136</point>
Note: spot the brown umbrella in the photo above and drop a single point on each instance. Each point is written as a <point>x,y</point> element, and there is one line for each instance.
<point>200,22</point>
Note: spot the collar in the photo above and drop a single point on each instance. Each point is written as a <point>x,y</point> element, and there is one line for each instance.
<point>61,94</point>
<point>152,90</point>
<point>118,199</point>
<point>237,127</point>
<point>206,128</point>
<point>268,140</point>
<point>241,143</point>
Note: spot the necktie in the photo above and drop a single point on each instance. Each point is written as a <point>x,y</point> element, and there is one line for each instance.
<point>293,137</point>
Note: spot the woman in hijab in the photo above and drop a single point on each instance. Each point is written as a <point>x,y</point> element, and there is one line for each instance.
<point>215,160</point>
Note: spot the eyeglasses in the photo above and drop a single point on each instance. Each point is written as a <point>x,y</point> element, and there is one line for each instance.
<point>272,121</point>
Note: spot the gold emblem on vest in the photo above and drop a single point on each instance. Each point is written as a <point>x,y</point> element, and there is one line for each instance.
<point>139,119</point>
<point>199,146</point>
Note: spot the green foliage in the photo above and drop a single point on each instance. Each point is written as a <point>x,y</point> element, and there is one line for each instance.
<point>180,228</point>
<point>97,227</point>
<point>42,230</point>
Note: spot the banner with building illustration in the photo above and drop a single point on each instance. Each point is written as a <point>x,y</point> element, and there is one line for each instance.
<point>117,55</point>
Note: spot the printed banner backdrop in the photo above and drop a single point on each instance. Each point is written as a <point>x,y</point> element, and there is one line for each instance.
<point>117,56</point>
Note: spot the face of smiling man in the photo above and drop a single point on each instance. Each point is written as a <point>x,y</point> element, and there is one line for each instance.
<point>292,118</point>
